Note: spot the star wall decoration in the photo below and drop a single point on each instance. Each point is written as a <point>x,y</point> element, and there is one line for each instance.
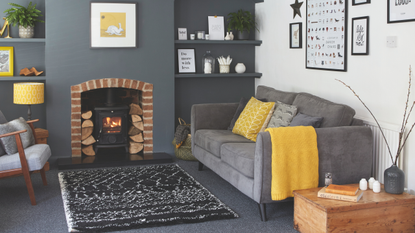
<point>296,8</point>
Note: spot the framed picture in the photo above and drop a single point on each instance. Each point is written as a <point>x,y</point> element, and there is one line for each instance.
<point>216,27</point>
<point>182,33</point>
<point>186,61</point>
<point>296,35</point>
<point>401,11</point>
<point>113,25</point>
<point>359,2</point>
<point>360,36</point>
<point>326,35</point>
<point>6,61</point>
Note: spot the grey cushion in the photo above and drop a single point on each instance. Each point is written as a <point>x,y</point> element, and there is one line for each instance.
<point>240,156</point>
<point>272,95</point>
<point>306,120</point>
<point>282,115</point>
<point>36,156</point>
<point>333,114</point>
<point>9,143</point>
<point>212,140</point>
<point>2,121</point>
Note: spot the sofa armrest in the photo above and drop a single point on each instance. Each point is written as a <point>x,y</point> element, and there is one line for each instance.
<point>211,116</point>
<point>344,151</point>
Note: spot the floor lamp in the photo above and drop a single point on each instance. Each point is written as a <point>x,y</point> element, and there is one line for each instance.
<point>28,94</point>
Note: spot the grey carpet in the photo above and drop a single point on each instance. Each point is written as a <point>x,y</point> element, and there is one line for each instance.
<point>17,215</point>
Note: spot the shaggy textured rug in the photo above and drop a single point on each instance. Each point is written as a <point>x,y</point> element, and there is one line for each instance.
<point>135,197</point>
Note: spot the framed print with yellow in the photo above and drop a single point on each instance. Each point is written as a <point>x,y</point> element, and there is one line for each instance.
<point>113,25</point>
<point>6,61</point>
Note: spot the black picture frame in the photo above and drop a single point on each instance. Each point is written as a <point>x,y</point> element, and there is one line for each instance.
<point>186,61</point>
<point>296,35</point>
<point>326,35</point>
<point>360,2</point>
<point>401,13</point>
<point>360,35</point>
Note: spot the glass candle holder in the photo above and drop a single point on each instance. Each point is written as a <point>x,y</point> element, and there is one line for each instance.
<point>208,63</point>
<point>200,35</point>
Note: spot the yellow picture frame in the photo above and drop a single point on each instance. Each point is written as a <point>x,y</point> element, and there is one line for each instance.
<point>6,61</point>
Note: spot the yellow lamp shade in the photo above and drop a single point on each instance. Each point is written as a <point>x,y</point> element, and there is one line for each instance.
<point>28,93</point>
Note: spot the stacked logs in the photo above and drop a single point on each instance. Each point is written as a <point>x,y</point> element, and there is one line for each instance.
<point>136,129</point>
<point>87,129</point>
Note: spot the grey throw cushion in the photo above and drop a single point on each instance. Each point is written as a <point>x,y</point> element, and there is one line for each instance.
<point>9,143</point>
<point>282,115</point>
<point>306,120</point>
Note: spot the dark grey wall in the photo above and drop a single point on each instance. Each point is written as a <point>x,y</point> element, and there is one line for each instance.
<point>193,15</point>
<point>70,61</point>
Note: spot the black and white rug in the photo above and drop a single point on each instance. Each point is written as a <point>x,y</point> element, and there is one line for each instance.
<point>135,197</point>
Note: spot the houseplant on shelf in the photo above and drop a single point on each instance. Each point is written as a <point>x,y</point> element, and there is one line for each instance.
<point>24,17</point>
<point>242,22</point>
<point>394,177</point>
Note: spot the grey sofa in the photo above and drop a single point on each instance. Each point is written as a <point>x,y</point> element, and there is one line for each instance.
<point>344,144</point>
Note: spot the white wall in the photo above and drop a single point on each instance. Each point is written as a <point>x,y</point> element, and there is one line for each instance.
<point>380,79</point>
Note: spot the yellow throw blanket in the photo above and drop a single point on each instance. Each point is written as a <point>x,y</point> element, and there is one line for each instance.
<point>294,160</point>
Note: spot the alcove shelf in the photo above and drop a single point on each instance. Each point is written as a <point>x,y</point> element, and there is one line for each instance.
<point>23,40</point>
<point>236,75</point>
<point>224,42</point>
<point>23,78</point>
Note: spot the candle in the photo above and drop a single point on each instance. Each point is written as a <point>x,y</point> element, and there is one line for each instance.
<point>371,180</point>
<point>363,184</point>
<point>376,186</point>
<point>192,36</point>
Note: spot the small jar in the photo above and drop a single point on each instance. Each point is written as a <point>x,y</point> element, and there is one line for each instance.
<point>363,184</point>
<point>376,186</point>
<point>207,37</point>
<point>208,63</point>
<point>200,35</point>
<point>192,36</point>
<point>371,180</point>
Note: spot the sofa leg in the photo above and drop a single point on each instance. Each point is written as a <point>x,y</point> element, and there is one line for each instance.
<point>200,166</point>
<point>263,212</point>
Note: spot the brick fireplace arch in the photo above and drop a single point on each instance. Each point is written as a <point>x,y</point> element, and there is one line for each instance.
<point>147,105</point>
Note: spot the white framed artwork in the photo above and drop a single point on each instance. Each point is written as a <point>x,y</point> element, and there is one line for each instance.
<point>113,25</point>
<point>216,27</point>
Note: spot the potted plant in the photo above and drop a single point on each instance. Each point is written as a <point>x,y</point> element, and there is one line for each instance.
<point>24,17</point>
<point>242,22</point>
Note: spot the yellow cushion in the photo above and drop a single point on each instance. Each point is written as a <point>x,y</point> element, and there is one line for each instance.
<point>252,118</point>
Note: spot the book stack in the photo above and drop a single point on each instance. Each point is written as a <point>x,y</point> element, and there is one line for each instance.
<point>341,192</point>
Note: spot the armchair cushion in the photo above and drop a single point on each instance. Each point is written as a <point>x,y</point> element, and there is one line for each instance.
<point>36,156</point>
<point>9,143</point>
<point>282,115</point>
<point>306,120</point>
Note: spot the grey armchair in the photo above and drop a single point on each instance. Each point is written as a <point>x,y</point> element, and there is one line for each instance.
<point>27,160</point>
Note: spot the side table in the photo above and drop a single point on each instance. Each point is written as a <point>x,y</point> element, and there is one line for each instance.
<point>41,135</point>
<point>374,212</point>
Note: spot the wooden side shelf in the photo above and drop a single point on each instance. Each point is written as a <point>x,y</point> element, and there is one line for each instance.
<point>41,135</point>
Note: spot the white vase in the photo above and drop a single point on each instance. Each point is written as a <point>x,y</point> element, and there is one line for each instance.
<point>28,32</point>
<point>240,68</point>
<point>231,35</point>
<point>227,37</point>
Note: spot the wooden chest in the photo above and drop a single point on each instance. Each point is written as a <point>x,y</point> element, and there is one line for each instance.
<point>374,212</point>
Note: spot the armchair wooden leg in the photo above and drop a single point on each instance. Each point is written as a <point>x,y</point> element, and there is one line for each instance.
<point>43,174</point>
<point>29,187</point>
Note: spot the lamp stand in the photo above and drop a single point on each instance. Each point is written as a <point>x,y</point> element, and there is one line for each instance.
<point>29,113</point>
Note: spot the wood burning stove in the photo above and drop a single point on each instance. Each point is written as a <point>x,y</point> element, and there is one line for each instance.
<point>111,123</point>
